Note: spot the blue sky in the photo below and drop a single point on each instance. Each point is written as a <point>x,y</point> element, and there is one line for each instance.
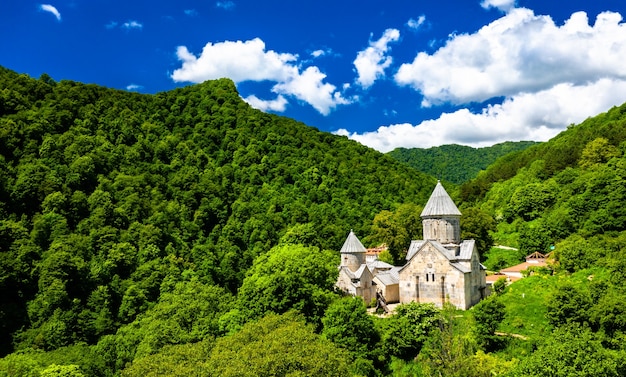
<point>385,73</point>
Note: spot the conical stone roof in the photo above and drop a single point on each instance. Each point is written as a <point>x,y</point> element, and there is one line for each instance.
<point>352,245</point>
<point>440,204</point>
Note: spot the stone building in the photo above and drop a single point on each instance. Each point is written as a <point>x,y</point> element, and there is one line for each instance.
<point>440,268</point>
<point>355,277</point>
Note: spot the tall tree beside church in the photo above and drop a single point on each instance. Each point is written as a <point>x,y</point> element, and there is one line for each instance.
<point>478,225</point>
<point>290,277</point>
<point>397,229</point>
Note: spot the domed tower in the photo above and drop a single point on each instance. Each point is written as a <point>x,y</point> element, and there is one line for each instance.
<point>441,219</point>
<point>352,253</point>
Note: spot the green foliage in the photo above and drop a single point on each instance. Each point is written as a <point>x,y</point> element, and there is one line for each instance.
<point>448,351</point>
<point>347,324</point>
<point>531,200</point>
<point>397,229</point>
<point>77,360</point>
<point>534,237</point>
<point>108,199</point>
<point>276,346</point>
<point>499,286</point>
<point>406,331</point>
<point>172,360</point>
<point>478,225</point>
<point>577,253</point>
<point>456,163</point>
<point>189,313</point>
<point>487,317</point>
<point>597,151</point>
<point>62,371</point>
<point>498,258</point>
<point>290,277</point>
<point>525,306</point>
<point>572,351</point>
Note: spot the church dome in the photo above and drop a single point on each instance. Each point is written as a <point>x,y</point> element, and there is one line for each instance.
<point>440,204</point>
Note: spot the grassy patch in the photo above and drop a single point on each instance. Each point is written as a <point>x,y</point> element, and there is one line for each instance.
<point>525,302</point>
<point>499,258</point>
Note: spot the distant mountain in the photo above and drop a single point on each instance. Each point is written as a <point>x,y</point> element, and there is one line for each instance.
<point>456,163</point>
<point>561,152</point>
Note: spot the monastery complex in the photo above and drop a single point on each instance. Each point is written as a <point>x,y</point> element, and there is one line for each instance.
<point>440,268</point>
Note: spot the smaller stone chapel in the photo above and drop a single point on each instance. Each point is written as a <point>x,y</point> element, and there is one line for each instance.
<point>440,268</point>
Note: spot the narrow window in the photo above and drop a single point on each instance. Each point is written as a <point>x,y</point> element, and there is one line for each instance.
<point>417,288</point>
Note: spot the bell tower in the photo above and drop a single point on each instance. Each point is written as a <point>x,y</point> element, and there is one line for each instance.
<point>352,253</point>
<point>441,219</point>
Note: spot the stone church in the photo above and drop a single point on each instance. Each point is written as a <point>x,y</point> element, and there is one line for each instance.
<point>440,268</point>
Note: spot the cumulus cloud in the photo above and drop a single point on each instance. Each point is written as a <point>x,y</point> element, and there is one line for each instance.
<point>131,24</point>
<point>526,116</point>
<point>371,63</point>
<point>279,104</point>
<point>50,9</point>
<point>549,76</point>
<point>414,24</point>
<point>239,61</point>
<point>310,88</point>
<point>520,52</point>
<point>249,61</point>
<point>503,5</point>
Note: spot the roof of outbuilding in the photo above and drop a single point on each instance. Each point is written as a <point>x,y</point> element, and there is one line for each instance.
<point>440,204</point>
<point>352,245</point>
<point>378,264</point>
<point>387,278</point>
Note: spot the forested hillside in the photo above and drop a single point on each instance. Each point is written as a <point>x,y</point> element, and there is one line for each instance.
<point>456,163</point>
<point>108,196</point>
<point>565,197</point>
<point>562,152</point>
<point>185,233</point>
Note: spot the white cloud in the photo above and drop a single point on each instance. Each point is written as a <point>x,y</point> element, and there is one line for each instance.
<point>131,24</point>
<point>310,88</point>
<point>226,5</point>
<point>190,12</point>
<point>526,116</point>
<point>416,24</point>
<point>279,104</point>
<point>371,63</point>
<point>50,9</point>
<point>249,61</point>
<point>520,52</point>
<point>239,61</point>
<point>503,5</point>
<point>111,25</point>
<point>132,87</point>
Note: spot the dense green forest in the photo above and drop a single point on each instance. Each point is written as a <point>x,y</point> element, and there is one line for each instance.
<point>456,163</point>
<point>185,233</point>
